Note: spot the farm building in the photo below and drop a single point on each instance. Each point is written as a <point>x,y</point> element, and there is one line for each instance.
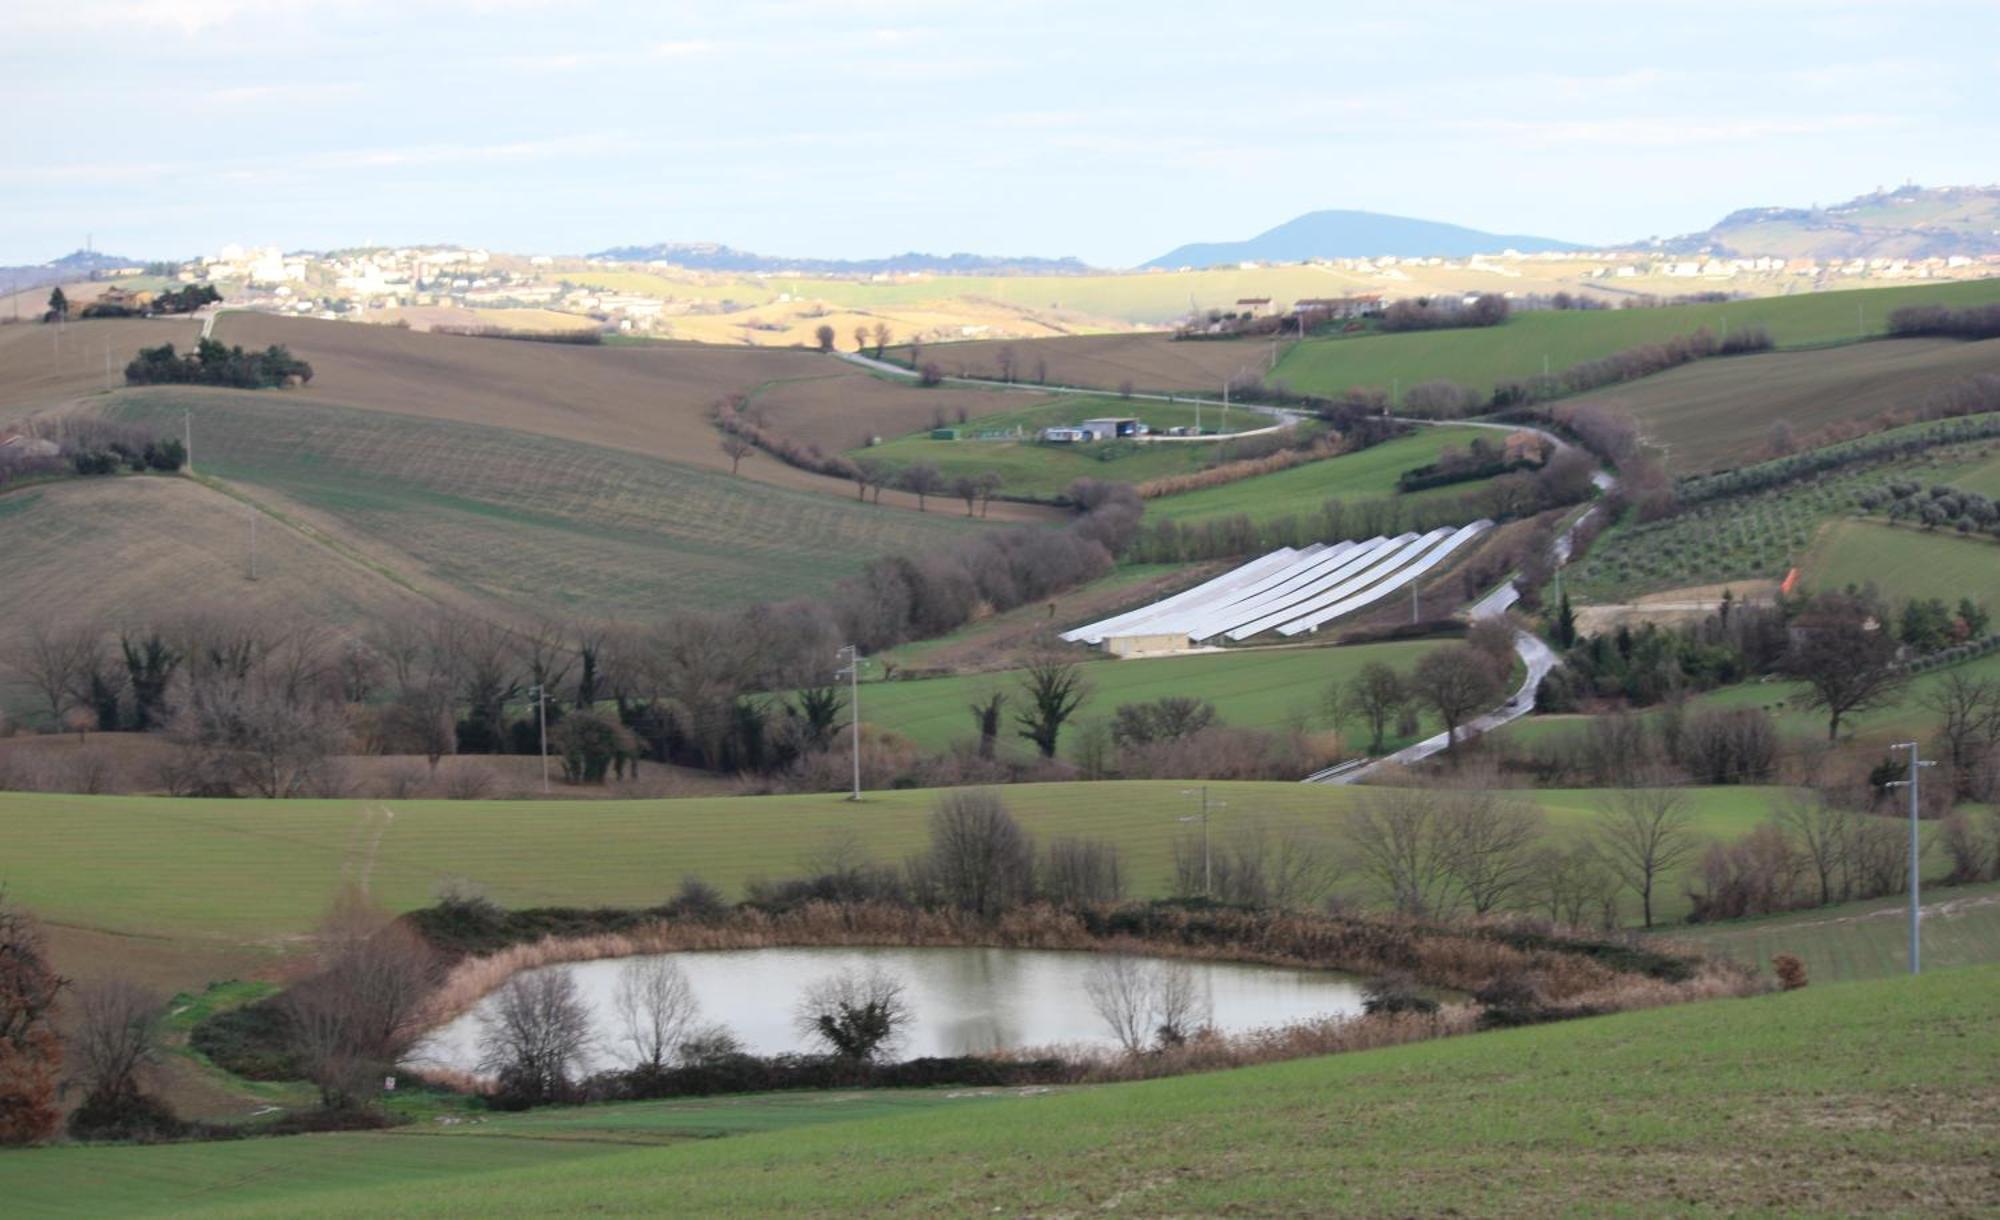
<point>1065,436</point>
<point>1146,645</point>
<point>1112,428</point>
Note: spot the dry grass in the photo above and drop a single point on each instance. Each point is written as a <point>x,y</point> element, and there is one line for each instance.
<point>44,366</point>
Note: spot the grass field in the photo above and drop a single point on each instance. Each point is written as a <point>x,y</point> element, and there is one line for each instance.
<point>532,521</point>
<point>1480,357</point>
<point>263,872</point>
<point>1716,414</point>
<point>1851,1098</point>
<point>1867,940</point>
<point>1905,561</point>
<point>1263,688</point>
<point>1367,475</point>
<point>1036,469</point>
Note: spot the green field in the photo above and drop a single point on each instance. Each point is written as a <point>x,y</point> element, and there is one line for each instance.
<point>1838,1099</point>
<point>1032,468</point>
<point>532,520</point>
<point>1905,561</point>
<point>1263,688</point>
<point>1480,357</point>
<point>1867,940</point>
<point>1367,475</point>
<point>261,872</point>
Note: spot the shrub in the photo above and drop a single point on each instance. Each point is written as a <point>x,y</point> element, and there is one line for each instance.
<point>1790,970</point>
<point>1396,993</point>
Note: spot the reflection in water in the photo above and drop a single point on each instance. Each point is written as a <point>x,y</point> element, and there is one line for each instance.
<point>965,1001</point>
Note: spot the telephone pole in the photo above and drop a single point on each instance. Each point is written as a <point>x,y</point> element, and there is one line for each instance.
<point>1916,863</point>
<point>541,698</point>
<point>853,672</point>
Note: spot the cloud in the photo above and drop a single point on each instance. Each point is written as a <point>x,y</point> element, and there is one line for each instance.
<point>1664,131</point>
<point>280,95</point>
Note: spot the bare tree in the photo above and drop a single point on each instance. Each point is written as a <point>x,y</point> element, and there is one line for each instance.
<point>1081,872</point>
<point>923,480</point>
<point>966,488</point>
<point>882,337</point>
<point>1455,682</point>
<point>1120,990</point>
<point>55,655</point>
<point>657,1008</point>
<point>419,721</point>
<point>824,337</point>
<point>115,1041</point>
<point>860,337</point>
<point>1054,689</point>
<point>1006,359</point>
<point>1824,834</point>
<point>1646,833</point>
<point>989,482</point>
<point>536,1035</point>
<point>736,448</point>
<point>364,1008</point>
<point>980,860</point>
<point>1488,841</point>
<point>1574,886</point>
<point>1845,657</point>
<point>1396,839</point>
<point>856,1014</point>
<point>1968,709</point>
<point>1181,1009</point>
<point>1376,694</point>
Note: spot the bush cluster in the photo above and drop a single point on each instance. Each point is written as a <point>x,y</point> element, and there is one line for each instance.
<point>212,363</point>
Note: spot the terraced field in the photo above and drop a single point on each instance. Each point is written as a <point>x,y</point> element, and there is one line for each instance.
<point>1716,414</point>
<point>1761,535</point>
<point>532,521</point>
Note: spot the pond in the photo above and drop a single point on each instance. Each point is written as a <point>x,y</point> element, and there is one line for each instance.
<point>964,1001</point>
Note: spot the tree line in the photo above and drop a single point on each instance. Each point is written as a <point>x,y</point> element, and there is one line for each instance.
<point>213,363</point>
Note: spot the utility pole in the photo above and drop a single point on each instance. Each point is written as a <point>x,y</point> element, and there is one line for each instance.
<point>187,437</point>
<point>253,544</point>
<point>1207,860</point>
<point>541,699</point>
<point>1225,407</point>
<point>1916,869</point>
<point>853,671</point>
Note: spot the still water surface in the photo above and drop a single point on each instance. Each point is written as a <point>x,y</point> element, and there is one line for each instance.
<point>965,1001</point>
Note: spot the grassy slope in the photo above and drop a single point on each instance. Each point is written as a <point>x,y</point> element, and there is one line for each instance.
<point>1853,1098</point>
<point>1480,357</point>
<point>1866,940</point>
<point>261,872</point>
<point>1252,689</point>
<point>1369,474</point>
<point>1904,561</point>
<point>1715,414</point>
<point>533,520</point>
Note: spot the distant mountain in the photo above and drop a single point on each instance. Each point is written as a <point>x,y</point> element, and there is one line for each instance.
<point>77,265</point>
<point>708,256</point>
<point>1908,222</point>
<point>1343,234</point>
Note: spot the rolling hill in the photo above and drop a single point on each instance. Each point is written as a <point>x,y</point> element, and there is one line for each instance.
<point>1908,222</point>
<point>1348,234</point>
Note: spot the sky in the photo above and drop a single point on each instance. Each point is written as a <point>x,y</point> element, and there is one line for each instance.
<point>1106,130</point>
